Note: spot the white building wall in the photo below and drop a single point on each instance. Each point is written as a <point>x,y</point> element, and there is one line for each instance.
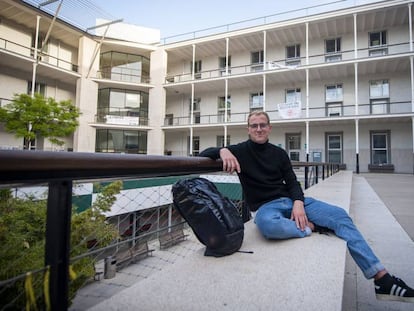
<point>157,98</point>
<point>86,97</point>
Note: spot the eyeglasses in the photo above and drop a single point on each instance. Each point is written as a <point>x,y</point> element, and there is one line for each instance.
<point>255,126</point>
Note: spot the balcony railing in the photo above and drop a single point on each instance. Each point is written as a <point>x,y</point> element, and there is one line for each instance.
<point>320,113</point>
<point>25,51</point>
<point>123,75</point>
<point>363,54</point>
<point>141,213</point>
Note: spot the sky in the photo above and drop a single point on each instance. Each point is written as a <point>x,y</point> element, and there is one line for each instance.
<point>175,17</point>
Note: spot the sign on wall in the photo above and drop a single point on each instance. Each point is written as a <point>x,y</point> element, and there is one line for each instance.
<point>290,110</point>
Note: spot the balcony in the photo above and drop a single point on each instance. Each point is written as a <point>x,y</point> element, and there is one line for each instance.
<point>319,113</point>
<point>365,55</point>
<point>22,58</point>
<point>126,75</point>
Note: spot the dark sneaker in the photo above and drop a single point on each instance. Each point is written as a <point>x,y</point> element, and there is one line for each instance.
<point>393,289</point>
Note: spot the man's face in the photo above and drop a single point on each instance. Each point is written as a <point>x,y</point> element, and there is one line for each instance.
<point>259,129</point>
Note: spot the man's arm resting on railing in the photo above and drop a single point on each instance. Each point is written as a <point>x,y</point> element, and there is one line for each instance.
<point>212,153</point>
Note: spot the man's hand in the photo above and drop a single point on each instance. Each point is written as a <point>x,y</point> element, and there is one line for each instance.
<point>299,215</point>
<point>230,163</point>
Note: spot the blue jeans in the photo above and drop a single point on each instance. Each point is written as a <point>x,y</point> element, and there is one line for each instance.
<point>273,221</point>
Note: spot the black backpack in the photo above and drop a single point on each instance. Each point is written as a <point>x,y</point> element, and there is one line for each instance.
<point>214,219</point>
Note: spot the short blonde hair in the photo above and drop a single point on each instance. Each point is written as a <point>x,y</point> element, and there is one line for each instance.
<point>258,113</point>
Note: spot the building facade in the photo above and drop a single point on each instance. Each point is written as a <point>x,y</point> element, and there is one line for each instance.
<point>338,86</point>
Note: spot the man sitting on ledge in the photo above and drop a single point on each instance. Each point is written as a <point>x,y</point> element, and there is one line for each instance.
<point>271,188</point>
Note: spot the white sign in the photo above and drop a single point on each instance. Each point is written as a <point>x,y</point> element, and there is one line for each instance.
<point>122,120</point>
<point>290,110</point>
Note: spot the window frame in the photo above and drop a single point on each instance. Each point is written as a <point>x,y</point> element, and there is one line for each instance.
<point>105,136</point>
<point>198,65</point>
<point>336,55</point>
<point>221,108</point>
<point>339,151</point>
<point>381,100</point>
<point>334,106</point>
<point>387,148</point>
<point>292,60</point>
<point>337,43</point>
<point>256,60</point>
<point>380,41</point>
<point>220,141</point>
<point>252,96</point>
<point>294,153</point>
<point>298,95</point>
<point>380,48</point>
<point>196,143</point>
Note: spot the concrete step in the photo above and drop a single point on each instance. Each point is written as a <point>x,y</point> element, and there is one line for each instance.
<point>388,240</point>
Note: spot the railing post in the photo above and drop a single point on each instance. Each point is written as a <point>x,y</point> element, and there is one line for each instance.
<point>59,207</point>
<point>306,177</point>
<point>316,173</point>
<point>323,172</point>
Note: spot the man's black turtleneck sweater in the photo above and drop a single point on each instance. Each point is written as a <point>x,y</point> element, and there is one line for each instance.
<point>266,172</point>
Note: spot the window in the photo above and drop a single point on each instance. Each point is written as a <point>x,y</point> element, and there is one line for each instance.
<point>293,146</point>
<point>293,54</point>
<point>334,100</point>
<point>380,147</point>
<point>257,60</point>
<point>195,147</point>
<point>334,147</point>
<point>196,110</point>
<point>334,109</point>
<point>293,96</point>
<point>196,104</point>
<point>39,88</point>
<point>32,144</point>
<point>223,65</point>
<point>379,89</point>
<point>197,69</point>
<point>333,93</point>
<point>256,101</point>
<point>122,107</point>
<point>169,119</point>
<point>333,45</point>
<point>221,108</point>
<point>379,106</point>
<point>221,142</point>
<point>121,141</point>
<point>377,38</point>
<point>333,49</point>
<point>379,93</point>
<point>377,43</point>
<point>40,40</point>
<point>124,67</point>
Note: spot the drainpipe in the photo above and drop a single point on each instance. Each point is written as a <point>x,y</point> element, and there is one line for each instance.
<point>35,56</point>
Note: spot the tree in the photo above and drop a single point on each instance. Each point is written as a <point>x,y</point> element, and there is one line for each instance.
<point>22,240</point>
<point>28,117</point>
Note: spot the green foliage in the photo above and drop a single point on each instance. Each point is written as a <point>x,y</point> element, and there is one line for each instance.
<point>22,240</point>
<point>28,117</point>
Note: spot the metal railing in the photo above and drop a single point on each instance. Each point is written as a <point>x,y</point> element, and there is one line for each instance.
<point>259,21</point>
<point>45,58</point>
<point>59,171</point>
<point>364,54</point>
<point>319,110</point>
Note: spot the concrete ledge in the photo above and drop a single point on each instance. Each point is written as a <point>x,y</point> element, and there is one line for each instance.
<point>297,274</point>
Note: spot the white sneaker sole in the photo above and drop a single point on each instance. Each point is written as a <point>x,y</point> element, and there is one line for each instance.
<point>385,297</point>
